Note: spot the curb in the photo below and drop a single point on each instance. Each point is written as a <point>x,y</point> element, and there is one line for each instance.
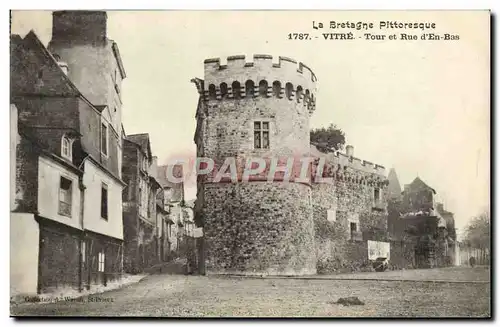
<point>355,279</point>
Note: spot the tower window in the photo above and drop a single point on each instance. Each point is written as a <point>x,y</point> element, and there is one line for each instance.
<point>236,90</point>
<point>261,135</point>
<point>263,88</point>
<point>353,229</point>
<point>223,90</point>
<point>277,89</point>
<point>299,93</point>
<point>289,90</point>
<point>211,91</point>
<point>376,195</point>
<point>306,98</point>
<point>250,88</point>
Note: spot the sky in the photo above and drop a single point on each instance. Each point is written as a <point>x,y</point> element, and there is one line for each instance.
<point>421,107</point>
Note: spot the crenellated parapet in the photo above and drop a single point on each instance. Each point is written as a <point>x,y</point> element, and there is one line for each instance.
<point>240,79</point>
<point>342,167</point>
<point>358,164</point>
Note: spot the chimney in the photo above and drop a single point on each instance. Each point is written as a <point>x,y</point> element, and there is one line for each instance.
<point>79,26</point>
<point>440,207</point>
<point>349,151</point>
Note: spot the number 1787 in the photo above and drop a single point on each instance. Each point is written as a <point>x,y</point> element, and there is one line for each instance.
<point>298,36</point>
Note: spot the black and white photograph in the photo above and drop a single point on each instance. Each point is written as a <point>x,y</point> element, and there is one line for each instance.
<point>250,164</point>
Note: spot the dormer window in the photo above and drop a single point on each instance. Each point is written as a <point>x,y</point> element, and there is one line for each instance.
<point>66,148</point>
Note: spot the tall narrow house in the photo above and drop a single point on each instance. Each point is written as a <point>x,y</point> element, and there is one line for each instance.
<point>66,221</point>
<point>139,211</point>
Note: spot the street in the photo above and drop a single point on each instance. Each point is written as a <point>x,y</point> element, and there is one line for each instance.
<point>446,292</point>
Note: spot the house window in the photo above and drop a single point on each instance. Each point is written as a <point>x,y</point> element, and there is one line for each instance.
<point>83,251</point>
<point>331,215</point>
<point>261,135</point>
<point>140,196</point>
<point>148,203</point>
<point>65,196</point>
<point>104,201</point>
<point>66,148</point>
<point>104,139</point>
<point>115,82</point>
<point>101,260</point>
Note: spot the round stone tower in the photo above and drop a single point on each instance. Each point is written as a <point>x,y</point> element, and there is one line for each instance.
<point>256,109</point>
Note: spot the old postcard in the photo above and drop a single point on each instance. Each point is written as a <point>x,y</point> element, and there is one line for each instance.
<point>250,163</point>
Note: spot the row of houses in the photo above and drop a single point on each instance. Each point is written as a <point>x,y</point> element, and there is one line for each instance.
<point>416,217</point>
<point>88,202</point>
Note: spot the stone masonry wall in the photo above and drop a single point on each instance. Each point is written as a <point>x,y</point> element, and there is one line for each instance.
<point>359,199</point>
<point>259,228</point>
<point>351,200</point>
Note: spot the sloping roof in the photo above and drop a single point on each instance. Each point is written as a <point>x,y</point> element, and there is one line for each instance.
<point>15,40</point>
<point>419,184</point>
<point>142,140</point>
<point>59,83</point>
<point>394,187</point>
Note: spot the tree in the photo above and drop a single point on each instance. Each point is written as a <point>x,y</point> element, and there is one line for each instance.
<point>328,138</point>
<point>477,232</point>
